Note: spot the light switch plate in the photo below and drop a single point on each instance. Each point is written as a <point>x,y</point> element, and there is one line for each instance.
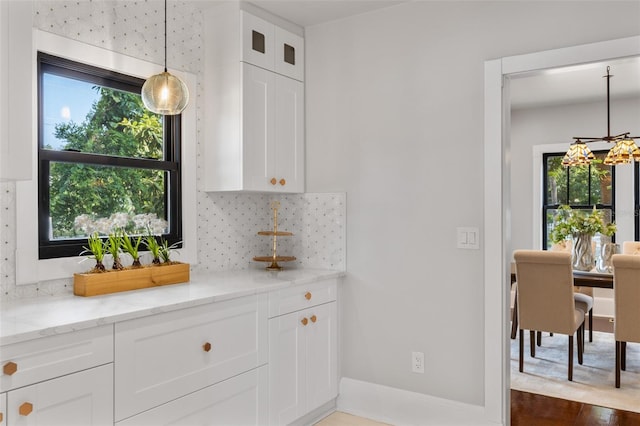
<point>468,238</point>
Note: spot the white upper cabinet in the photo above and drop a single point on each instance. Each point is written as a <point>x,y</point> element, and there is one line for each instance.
<point>16,78</point>
<point>271,47</point>
<point>254,104</point>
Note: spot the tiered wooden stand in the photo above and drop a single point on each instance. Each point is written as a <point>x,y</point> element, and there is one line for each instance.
<point>274,258</point>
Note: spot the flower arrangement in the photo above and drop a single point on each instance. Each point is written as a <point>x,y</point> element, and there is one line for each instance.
<point>569,223</point>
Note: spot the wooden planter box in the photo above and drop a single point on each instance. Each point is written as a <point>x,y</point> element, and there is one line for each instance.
<point>130,279</point>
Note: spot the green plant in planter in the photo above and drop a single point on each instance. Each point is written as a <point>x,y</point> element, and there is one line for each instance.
<point>131,247</point>
<point>97,248</point>
<point>154,247</point>
<point>166,249</point>
<point>114,247</point>
<point>570,223</point>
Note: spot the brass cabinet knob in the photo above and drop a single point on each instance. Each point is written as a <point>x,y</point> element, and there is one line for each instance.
<point>206,347</point>
<point>307,296</point>
<point>283,182</point>
<point>273,181</point>
<point>10,368</point>
<point>25,409</point>
<point>304,321</point>
<point>313,318</point>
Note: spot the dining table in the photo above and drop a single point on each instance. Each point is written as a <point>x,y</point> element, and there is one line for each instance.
<point>591,279</point>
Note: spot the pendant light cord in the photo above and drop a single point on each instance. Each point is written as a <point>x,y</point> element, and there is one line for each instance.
<point>165,35</point>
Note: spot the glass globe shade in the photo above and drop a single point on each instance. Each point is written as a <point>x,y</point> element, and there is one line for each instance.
<point>165,94</point>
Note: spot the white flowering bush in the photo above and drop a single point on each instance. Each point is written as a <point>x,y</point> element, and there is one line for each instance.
<point>133,224</point>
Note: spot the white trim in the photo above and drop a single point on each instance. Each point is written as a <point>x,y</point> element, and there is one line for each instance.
<point>29,269</point>
<point>495,166</point>
<point>402,407</point>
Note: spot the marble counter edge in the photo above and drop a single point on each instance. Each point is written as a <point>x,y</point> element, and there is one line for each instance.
<point>28,319</point>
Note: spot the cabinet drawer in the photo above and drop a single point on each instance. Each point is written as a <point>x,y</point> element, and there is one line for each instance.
<point>301,296</point>
<point>241,400</point>
<point>79,399</point>
<point>54,356</point>
<point>163,357</point>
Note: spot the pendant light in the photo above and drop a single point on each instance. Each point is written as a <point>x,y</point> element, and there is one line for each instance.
<point>164,93</point>
<point>623,152</point>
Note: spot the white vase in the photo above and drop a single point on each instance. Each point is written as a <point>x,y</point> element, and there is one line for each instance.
<point>605,250</point>
<point>582,252</point>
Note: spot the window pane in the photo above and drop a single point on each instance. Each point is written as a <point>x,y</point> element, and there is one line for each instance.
<point>602,183</point>
<point>578,185</point>
<point>557,181</point>
<point>87,198</point>
<point>83,116</point>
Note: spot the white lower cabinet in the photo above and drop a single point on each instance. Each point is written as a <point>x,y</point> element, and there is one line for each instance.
<point>83,399</point>
<point>61,379</point>
<point>240,400</point>
<point>302,362</point>
<point>163,357</point>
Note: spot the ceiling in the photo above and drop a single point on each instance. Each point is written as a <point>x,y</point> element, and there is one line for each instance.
<point>576,84</point>
<point>552,87</point>
<point>312,12</point>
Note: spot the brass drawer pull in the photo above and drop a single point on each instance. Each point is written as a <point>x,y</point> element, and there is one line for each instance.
<point>206,347</point>
<point>10,368</point>
<point>25,409</point>
<point>314,318</point>
<point>273,181</point>
<point>307,296</point>
<point>283,182</point>
<point>304,321</point>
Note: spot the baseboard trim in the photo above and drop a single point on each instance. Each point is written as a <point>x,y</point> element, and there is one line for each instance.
<point>316,415</point>
<point>400,407</point>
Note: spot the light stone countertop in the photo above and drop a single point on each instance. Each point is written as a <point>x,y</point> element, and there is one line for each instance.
<point>26,319</point>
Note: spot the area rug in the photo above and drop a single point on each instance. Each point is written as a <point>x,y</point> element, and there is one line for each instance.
<point>593,381</point>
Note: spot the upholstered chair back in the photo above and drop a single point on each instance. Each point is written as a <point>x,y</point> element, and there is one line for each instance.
<point>631,247</point>
<point>545,291</point>
<point>626,291</point>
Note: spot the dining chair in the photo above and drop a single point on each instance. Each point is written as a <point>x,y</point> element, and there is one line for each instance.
<point>546,300</point>
<point>626,298</point>
<point>631,247</point>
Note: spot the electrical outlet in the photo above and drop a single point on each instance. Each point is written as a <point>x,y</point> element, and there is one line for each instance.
<point>417,362</point>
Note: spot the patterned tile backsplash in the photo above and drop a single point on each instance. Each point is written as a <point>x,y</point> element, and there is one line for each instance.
<point>227,222</point>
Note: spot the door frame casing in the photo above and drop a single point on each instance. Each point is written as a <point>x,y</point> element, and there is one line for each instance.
<point>497,208</point>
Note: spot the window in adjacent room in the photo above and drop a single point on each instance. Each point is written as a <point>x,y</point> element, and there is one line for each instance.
<point>580,187</point>
<point>105,162</point>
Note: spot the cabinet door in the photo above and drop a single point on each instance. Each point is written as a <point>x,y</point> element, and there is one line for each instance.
<point>257,41</point>
<point>289,54</point>
<point>322,355</point>
<point>3,409</point>
<point>258,130</point>
<point>83,399</point>
<point>289,135</point>
<point>241,400</point>
<point>287,366</point>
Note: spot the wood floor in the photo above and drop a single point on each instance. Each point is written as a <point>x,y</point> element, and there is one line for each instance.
<point>530,409</point>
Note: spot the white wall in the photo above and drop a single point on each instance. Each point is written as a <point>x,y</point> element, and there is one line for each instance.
<point>391,95</point>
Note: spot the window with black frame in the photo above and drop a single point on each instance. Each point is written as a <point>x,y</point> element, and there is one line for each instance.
<point>579,187</point>
<point>105,161</point>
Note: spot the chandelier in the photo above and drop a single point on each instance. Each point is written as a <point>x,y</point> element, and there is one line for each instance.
<point>164,93</point>
<point>623,152</point>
